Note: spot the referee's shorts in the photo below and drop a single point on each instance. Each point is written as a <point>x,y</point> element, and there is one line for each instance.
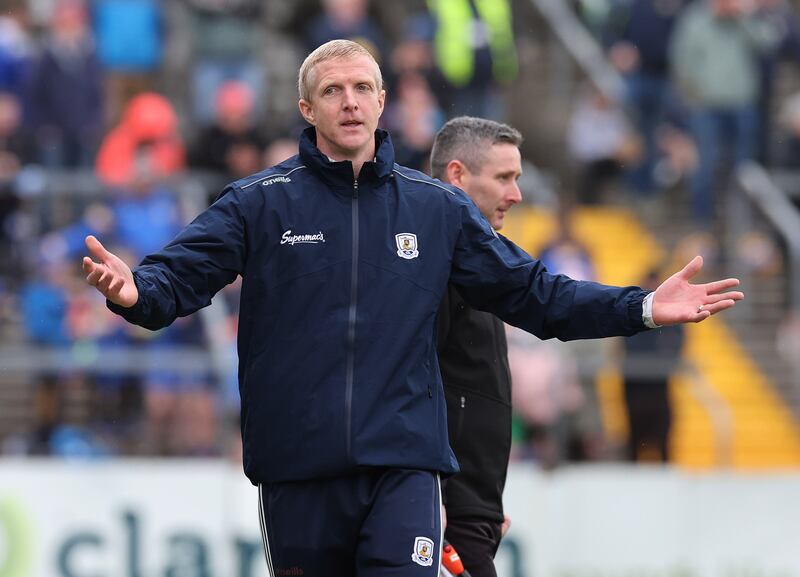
<point>376,523</point>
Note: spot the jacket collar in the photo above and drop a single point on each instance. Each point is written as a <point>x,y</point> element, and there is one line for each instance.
<point>340,174</point>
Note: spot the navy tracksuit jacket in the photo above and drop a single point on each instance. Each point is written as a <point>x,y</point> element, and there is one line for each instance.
<point>342,280</point>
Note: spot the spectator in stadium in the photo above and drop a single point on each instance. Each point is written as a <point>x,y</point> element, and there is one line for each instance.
<point>15,151</point>
<point>482,158</point>
<point>116,390</point>
<point>641,52</point>
<point>145,210</point>
<point>602,141</point>
<point>16,47</point>
<point>474,50</point>
<point>414,52</point>
<point>650,360</point>
<point>57,429</point>
<point>130,38</point>
<point>546,394</point>
<point>343,412</point>
<point>565,254</point>
<point>74,434</point>
<point>346,19</point>
<point>413,56</point>
<point>179,416</point>
<point>147,132</point>
<point>413,119</point>
<point>47,415</point>
<point>787,151</point>
<point>65,91</point>
<point>715,56</point>
<point>787,342</point>
<point>44,301</point>
<point>227,39</point>
<point>783,19</point>
<point>231,146</point>
<point>575,428</point>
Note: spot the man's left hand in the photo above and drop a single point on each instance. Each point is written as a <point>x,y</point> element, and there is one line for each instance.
<point>676,300</point>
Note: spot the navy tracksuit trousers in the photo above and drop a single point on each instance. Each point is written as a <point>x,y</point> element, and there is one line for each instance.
<point>377,523</point>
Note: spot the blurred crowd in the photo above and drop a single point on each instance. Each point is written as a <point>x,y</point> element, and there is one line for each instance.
<point>699,94</point>
<point>88,88</point>
<point>146,96</point>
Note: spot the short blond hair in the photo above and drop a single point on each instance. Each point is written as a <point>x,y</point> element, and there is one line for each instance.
<point>330,51</point>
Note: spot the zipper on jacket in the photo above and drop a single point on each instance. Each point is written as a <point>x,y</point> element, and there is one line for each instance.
<point>460,420</point>
<point>351,326</point>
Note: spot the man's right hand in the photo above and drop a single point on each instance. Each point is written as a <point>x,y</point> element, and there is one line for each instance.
<point>111,276</point>
<point>505,526</point>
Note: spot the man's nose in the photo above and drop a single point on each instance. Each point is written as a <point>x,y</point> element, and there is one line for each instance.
<point>515,194</point>
<point>349,100</point>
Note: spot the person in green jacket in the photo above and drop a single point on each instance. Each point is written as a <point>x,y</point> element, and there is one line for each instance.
<point>475,52</point>
<point>715,64</point>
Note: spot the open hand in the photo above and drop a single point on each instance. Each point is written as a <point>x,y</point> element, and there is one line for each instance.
<point>676,300</point>
<point>111,276</point>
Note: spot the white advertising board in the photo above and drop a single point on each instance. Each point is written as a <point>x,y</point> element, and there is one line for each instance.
<point>128,519</point>
<point>131,518</point>
<point>622,521</point>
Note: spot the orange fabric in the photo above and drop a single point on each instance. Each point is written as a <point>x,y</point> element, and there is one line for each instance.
<point>148,132</point>
<point>150,116</point>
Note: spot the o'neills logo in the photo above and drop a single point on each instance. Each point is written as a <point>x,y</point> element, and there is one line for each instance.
<point>290,572</point>
<point>275,179</point>
<point>292,239</point>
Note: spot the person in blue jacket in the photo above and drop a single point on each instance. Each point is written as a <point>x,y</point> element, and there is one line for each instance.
<point>345,257</point>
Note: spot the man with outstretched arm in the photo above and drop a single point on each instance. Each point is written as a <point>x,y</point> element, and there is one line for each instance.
<point>345,257</point>
<point>482,158</point>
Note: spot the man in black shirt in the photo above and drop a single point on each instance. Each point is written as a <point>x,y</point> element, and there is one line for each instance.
<point>482,158</point>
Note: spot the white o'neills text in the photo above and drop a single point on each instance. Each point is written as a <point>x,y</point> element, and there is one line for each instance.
<point>274,179</point>
<point>292,239</point>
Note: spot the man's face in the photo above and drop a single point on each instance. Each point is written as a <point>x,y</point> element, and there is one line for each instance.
<point>344,106</point>
<point>494,189</point>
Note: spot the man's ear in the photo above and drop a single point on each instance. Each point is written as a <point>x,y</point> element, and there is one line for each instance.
<point>381,102</point>
<point>455,172</point>
<point>307,111</point>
